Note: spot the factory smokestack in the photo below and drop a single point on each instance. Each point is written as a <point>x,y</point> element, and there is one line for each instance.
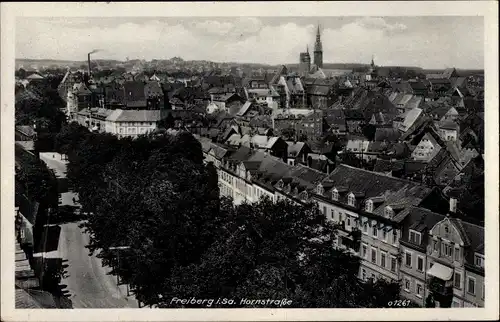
<point>88,56</point>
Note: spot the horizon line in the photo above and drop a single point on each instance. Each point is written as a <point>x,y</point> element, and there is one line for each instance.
<point>252,63</point>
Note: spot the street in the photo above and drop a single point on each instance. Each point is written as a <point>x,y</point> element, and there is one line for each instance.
<point>87,283</point>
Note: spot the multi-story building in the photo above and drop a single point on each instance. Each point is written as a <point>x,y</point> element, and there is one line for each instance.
<point>123,123</point>
<point>370,208</point>
<point>384,220</point>
<point>443,258</point>
<point>426,149</point>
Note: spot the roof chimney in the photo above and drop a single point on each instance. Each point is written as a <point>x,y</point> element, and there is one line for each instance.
<point>453,205</point>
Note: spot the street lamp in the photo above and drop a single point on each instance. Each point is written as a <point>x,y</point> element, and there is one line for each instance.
<point>118,249</point>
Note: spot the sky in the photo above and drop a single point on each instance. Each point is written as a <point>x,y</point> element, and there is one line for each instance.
<point>428,42</point>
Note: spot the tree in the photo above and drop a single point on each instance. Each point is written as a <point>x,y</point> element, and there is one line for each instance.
<point>70,137</point>
<point>288,133</point>
<point>369,131</point>
<point>429,301</point>
<point>277,250</point>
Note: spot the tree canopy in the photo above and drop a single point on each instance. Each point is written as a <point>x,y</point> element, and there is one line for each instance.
<point>155,195</point>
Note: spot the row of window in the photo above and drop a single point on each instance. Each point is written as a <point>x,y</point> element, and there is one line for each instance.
<point>413,286</point>
<point>380,258</point>
<point>226,191</point>
<point>132,130</point>
<point>380,233</point>
<point>447,250</point>
<point>364,276</point>
<point>226,177</point>
<point>408,260</point>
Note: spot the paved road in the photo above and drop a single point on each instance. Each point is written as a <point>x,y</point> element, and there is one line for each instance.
<point>88,282</point>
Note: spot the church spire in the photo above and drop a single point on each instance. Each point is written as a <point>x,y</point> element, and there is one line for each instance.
<point>318,49</point>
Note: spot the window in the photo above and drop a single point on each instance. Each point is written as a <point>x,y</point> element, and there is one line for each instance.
<point>374,230</point>
<point>324,210</point>
<point>408,259</point>
<point>479,261</point>
<point>369,206</point>
<point>374,256</point>
<point>436,245</point>
<point>407,284</point>
<point>363,274</point>
<point>364,249</point>
<point>383,256</point>
<point>365,227</point>
<point>419,290</point>
<point>394,236</point>
<point>332,214</point>
<point>373,277</point>
<point>388,212</point>
<point>335,195</point>
<point>351,199</point>
<point>457,280</point>
<point>393,264</point>
<point>384,235</point>
<point>415,237</point>
<point>471,285</point>
<point>420,263</point>
<point>447,250</point>
<point>348,221</point>
<point>457,254</point>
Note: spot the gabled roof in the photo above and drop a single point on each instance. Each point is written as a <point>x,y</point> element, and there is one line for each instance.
<point>244,109</point>
<point>34,76</point>
<point>294,148</point>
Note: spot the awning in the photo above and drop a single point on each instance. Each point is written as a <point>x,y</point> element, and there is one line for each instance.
<point>440,271</point>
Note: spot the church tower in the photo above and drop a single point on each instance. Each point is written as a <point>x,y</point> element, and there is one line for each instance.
<point>305,63</point>
<point>318,51</point>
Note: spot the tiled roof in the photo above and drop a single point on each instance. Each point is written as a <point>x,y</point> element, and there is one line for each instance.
<point>153,89</point>
<point>26,129</point>
<point>372,183</point>
<point>134,91</point>
<point>448,125</point>
<point>34,76</point>
<point>135,116</point>
<point>294,148</point>
<point>33,299</point>
<point>387,134</point>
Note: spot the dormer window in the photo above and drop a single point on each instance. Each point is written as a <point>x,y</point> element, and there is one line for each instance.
<point>479,260</point>
<point>295,191</point>
<point>415,237</point>
<point>369,206</point>
<point>335,194</point>
<point>351,199</point>
<point>320,190</point>
<point>304,195</point>
<point>388,212</point>
<point>280,184</point>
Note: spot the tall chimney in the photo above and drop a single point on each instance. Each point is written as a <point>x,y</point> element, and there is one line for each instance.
<point>88,56</point>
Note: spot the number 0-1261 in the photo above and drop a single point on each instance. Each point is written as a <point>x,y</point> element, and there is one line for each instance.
<point>399,303</point>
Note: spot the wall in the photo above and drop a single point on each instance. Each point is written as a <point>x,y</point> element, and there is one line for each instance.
<point>425,150</point>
